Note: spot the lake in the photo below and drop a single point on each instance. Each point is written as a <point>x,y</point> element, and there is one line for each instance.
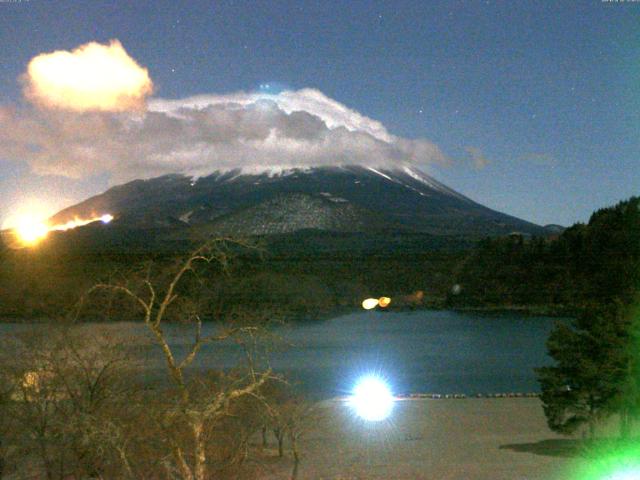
<point>422,351</point>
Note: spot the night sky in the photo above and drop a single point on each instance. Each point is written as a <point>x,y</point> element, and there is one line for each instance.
<point>537,104</point>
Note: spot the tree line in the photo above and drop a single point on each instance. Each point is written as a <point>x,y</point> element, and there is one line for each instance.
<point>591,272</point>
<point>309,279</point>
<point>587,263</point>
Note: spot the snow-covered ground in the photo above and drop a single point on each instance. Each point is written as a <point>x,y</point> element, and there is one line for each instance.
<point>470,439</point>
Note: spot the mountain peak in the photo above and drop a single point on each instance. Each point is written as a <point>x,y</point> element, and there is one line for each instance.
<point>349,196</point>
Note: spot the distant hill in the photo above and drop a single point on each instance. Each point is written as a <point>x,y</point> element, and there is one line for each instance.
<point>585,264</point>
<point>554,229</point>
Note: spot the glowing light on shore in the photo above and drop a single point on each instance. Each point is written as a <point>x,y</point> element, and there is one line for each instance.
<point>370,303</point>
<point>372,399</point>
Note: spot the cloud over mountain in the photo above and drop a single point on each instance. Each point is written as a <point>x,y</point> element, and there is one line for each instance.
<point>199,135</point>
<point>90,115</point>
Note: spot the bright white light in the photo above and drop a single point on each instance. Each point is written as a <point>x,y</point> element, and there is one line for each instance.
<point>629,474</point>
<point>106,218</point>
<point>370,303</point>
<point>372,399</point>
<point>30,230</point>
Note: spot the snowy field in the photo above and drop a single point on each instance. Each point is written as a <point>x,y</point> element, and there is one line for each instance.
<point>463,439</point>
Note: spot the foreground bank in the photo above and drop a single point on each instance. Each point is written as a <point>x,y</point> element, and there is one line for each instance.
<point>472,439</point>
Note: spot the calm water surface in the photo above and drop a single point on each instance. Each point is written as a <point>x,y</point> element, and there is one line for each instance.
<point>425,351</point>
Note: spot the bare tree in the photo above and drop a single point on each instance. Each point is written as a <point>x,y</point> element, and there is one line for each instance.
<point>63,382</point>
<point>5,400</point>
<point>289,416</point>
<point>79,406</point>
<point>302,417</point>
<point>188,421</point>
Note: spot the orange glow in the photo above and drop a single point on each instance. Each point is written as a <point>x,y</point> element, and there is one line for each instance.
<point>30,229</point>
<point>384,302</point>
<point>77,222</point>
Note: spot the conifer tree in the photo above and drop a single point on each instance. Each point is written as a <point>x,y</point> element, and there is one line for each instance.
<point>589,380</point>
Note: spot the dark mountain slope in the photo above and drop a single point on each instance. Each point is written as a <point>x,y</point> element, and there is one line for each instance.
<point>342,198</point>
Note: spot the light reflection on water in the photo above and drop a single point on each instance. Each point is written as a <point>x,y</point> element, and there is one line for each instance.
<point>423,351</point>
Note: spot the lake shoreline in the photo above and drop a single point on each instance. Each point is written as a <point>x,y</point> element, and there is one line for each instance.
<point>530,311</point>
<point>556,311</point>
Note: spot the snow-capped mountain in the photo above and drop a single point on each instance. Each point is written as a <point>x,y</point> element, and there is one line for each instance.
<point>280,200</point>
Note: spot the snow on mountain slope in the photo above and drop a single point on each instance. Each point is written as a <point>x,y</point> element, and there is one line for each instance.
<point>282,199</point>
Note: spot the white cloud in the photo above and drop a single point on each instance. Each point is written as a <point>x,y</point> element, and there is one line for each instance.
<point>199,135</point>
<point>91,77</point>
<point>332,113</point>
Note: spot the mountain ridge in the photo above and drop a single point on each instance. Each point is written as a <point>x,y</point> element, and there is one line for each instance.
<point>281,200</point>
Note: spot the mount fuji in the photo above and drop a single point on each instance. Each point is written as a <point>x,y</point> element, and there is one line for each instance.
<point>281,200</point>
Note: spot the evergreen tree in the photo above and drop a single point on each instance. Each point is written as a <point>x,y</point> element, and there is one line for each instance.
<point>628,401</point>
<point>589,380</point>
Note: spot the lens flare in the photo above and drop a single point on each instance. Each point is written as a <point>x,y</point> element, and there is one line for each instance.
<point>631,474</point>
<point>372,399</point>
<point>612,460</point>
